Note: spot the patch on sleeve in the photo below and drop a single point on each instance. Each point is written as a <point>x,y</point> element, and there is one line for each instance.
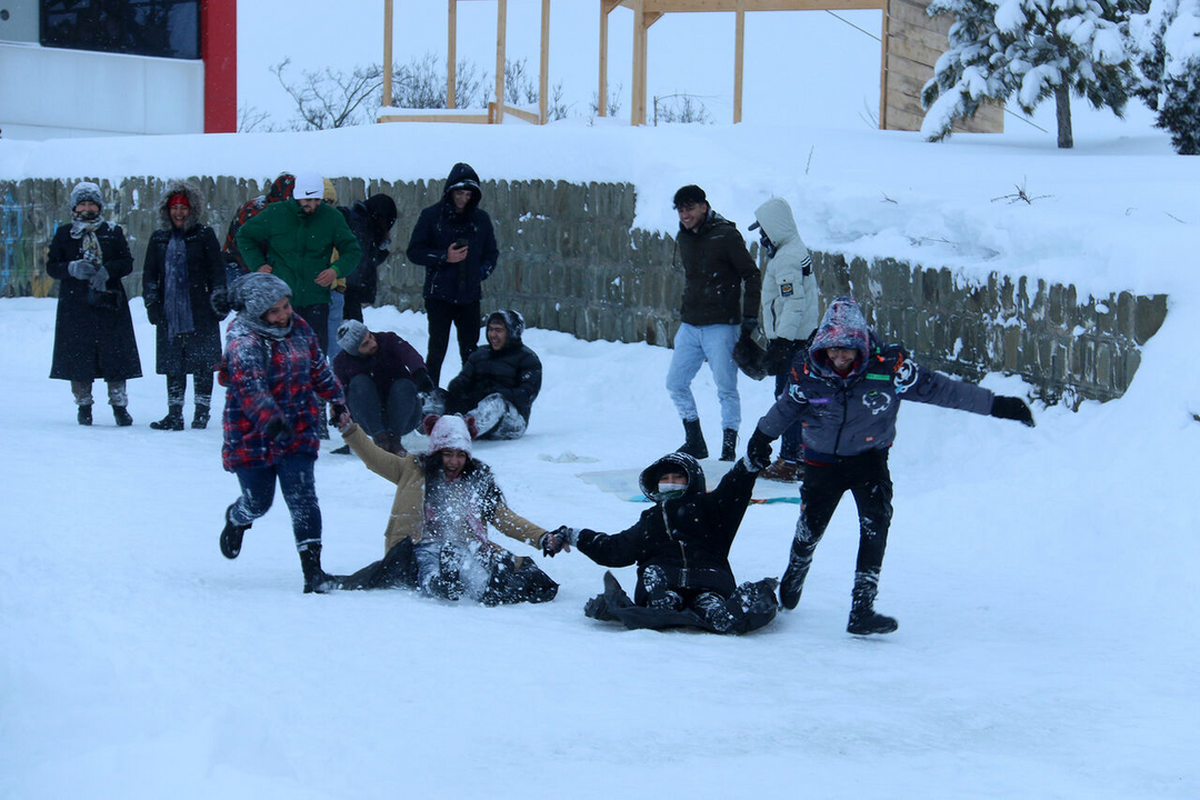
<point>785,289</point>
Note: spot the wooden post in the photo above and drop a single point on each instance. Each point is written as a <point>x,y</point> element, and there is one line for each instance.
<point>501,17</point>
<point>452,54</point>
<point>637,111</point>
<point>387,53</point>
<point>602,98</point>
<point>739,51</point>
<point>544,67</point>
<point>886,8</point>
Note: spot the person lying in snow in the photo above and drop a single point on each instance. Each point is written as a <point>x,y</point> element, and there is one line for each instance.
<point>681,548</point>
<point>437,537</point>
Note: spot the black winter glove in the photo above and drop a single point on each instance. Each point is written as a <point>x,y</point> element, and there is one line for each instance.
<point>220,302</point>
<point>339,415</point>
<point>758,451</point>
<point>749,325</point>
<point>1012,408</point>
<point>279,430</point>
<point>557,540</point>
<point>154,312</point>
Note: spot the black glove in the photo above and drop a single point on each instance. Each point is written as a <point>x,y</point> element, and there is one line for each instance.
<point>758,451</point>
<point>556,540</point>
<point>1012,408</point>
<point>749,325</point>
<point>279,430</point>
<point>339,415</point>
<point>154,312</point>
<point>220,302</point>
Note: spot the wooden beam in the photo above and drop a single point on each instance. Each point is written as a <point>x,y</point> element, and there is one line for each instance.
<point>606,7</point>
<point>387,53</point>
<point>691,6</point>
<point>452,55</point>
<point>638,100</point>
<point>478,119</point>
<point>501,37</point>
<point>883,67</point>
<point>544,68</point>
<point>739,52</point>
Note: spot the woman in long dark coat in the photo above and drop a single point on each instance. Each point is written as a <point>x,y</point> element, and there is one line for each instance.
<point>182,269</point>
<point>93,332</point>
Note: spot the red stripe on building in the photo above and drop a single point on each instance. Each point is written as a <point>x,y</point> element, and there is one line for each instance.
<point>218,48</point>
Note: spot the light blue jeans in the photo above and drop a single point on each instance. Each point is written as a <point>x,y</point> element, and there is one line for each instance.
<point>695,344</point>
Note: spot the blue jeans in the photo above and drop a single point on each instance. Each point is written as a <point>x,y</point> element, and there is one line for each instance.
<point>398,413</point>
<point>295,474</point>
<point>695,344</point>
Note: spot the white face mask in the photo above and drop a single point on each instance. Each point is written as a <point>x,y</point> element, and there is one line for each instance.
<point>666,490</point>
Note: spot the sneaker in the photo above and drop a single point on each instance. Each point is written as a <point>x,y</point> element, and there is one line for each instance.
<point>231,536</point>
<point>84,415</point>
<point>867,622</point>
<point>784,471</point>
<point>121,415</point>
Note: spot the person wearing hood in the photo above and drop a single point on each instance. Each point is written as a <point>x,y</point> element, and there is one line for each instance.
<point>846,388</point>
<point>281,189</point>
<point>93,330</point>
<point>453,239</point>
<point>183,267</point>
<point>436,538</point>
<point>295,240</point>
<point>716,266</point>
<point>789,314</point>
<point>681,548</point>
<point>498,383</point>
<point>371,222</point>
<point>276,377</point>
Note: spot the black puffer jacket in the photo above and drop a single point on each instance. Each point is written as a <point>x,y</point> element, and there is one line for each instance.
<point>371,222</point>
<point>688,537</point>
<point>514,372</point>
<point>439,226</point>
<point>716,264</point>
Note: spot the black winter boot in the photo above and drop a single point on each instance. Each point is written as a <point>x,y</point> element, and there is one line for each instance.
<point>173,421</point>
<point>231,537</point>
<point>84,415</point>
<point>729,445</point>
<point>316,580</point>
<point>200,417</point>
<point>121,415</point>
<point>694,446</point>
<point>864,620</point>
<point>792,583</point>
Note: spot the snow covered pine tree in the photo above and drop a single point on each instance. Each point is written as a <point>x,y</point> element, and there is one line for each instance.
<point>1166,41</point>
<point>1035,48</point>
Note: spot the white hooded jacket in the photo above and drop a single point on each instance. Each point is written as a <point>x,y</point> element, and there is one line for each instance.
<point>789,297</point>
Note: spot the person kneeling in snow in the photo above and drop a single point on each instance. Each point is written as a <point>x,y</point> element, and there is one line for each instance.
<point>681,548</point>
<point>437,537</point>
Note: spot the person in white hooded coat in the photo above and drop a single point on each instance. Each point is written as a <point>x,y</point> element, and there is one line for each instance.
<point>790,313</point>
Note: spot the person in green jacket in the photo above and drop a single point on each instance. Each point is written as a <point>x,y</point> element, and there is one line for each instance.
<point>299,237</point>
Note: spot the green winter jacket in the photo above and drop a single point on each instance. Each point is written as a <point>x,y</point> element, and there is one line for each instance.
<point>299,247</point>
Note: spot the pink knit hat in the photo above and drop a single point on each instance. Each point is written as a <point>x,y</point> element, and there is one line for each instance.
<point>449,432</point>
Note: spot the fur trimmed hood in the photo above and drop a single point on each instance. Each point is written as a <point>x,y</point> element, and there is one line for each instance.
<point>195,202</point>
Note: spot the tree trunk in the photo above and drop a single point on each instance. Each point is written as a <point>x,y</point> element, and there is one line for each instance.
<point>1062,102</point>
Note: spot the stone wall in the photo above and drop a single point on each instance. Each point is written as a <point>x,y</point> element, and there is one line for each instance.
<point>571,261</point>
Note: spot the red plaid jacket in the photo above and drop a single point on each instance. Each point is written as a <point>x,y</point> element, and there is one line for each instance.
<point>273,379</point>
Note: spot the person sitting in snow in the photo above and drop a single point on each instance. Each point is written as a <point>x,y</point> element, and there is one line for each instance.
<point>681,548</point>
<point>437,533</point>
<point>498,383</point>
<point>846,388</point>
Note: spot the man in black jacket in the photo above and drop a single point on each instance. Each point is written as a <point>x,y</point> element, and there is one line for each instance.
<point>716,265</point>
<point>498,383</point>
<point>454,241</point>
<point>371,222</point>
<point>681,548</point>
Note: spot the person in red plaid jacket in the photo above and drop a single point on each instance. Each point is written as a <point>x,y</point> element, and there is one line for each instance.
<point>274,372</point>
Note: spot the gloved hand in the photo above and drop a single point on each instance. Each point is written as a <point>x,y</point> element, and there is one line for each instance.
<point>339,415</point>
<point>220,302</point>
<point>99,280</point>
<point>1012,408</point>
<point>749,325</point>
<point>556,540</point>
<point>758,451</point>
<point>279,430</point>
<point>155,313</point>
<point>82,269</point>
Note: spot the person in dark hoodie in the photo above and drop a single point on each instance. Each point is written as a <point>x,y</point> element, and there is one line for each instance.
<point>498,383</point>
<point>715,308</point>
<point>371,222</point>
<point>846,388</point>
<point>681,548</point>
<point>183,267</point>
<point>453,239</point>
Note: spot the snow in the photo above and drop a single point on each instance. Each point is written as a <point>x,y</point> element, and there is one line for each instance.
<point>1043,578</point>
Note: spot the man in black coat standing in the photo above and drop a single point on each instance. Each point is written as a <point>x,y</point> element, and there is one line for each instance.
<point>371,222</point>
<point>498,383</point>
<point>454,241</point>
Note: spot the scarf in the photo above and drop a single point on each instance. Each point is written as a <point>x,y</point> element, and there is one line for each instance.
<point>177,301</point>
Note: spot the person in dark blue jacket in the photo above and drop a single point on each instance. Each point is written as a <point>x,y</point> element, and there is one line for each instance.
<point>846,389</point>
<point>454,241</point>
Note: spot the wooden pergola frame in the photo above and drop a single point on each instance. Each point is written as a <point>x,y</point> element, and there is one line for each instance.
<point>497,109</point>
<point>647,12</point>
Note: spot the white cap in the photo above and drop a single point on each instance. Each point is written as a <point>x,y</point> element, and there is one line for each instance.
<point>309,186</point>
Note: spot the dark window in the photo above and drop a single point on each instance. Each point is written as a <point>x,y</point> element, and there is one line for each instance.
<point>167,28</point>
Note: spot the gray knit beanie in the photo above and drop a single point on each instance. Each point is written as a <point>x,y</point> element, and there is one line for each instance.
<point>350,335</point>
<point>85,191</point>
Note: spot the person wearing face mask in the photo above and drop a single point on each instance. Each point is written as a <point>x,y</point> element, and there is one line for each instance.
<point>681,548</point>
<point>93,330</point>
<point>183,267</point>
<point>276,378</point>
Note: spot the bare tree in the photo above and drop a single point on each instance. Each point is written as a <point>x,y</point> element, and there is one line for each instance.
<point>331,98</point>
<point>252,118</point>
<point>680,107</point>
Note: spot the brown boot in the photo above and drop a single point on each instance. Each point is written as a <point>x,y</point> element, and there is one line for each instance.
<point>784,471</point>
